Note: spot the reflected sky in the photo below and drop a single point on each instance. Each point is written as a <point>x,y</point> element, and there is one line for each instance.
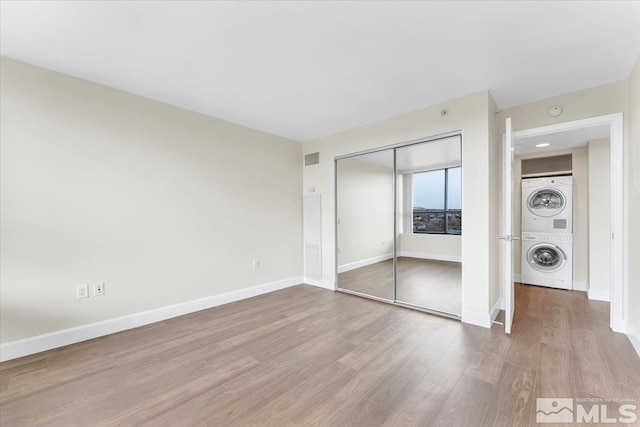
<point>428,189</point>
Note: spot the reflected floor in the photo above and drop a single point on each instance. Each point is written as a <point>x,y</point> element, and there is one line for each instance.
<point>428,283</point>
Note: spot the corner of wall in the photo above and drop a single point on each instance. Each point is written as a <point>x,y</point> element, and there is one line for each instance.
<point>632,249</point>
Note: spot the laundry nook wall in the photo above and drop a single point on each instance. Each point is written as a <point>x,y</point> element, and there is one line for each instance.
<point>580,173</point>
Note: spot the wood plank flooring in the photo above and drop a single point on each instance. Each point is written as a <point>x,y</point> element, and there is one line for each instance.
<point>305,356</point>
<point>424,282</point>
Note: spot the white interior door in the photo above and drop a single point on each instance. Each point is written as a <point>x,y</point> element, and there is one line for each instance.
<point>507,237</point>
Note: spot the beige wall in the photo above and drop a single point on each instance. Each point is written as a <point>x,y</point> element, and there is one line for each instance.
<point>436,246</point>
<point>365,210</point>
<point>162,204</point>
<point>580,158</point>
<point>600,217</point>
<point>633,200</point>
<point>468,114</point>
<point>600,100</point>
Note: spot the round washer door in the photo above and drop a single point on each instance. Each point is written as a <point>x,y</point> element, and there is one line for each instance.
<point>546,202</point>
<point>546,257</point>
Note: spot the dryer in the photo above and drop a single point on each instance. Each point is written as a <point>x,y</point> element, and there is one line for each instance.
<point>547,204</point>
<point>547,260</point>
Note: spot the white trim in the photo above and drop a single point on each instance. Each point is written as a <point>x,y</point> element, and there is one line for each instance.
<point>496,309</point>
<point>634,338</point>
<point>599,295</point>
<point>480,318</point>
<point>438,257</point>
<point>364,262</point>
<point>615,121</point>
<point>618,304</point>
<point>322,283</point>
<point>431,168</point>
<point>506,212</point>
<point>580,285</point>
<point>27,346</point>
<point>477,318</point>
<point>545,174</point>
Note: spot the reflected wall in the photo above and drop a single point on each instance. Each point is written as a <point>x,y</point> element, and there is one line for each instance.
<point>365,218</point>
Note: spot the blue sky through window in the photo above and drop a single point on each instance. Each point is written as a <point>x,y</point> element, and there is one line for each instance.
<point>428,189</point>
<point>454,189</point>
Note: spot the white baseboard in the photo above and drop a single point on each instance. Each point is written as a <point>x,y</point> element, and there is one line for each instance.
<point>326,284</point>
<point>364,263</point>
<point>579,285</point>
<point>480,318</point>
<point>438,257</point>
<point>634,338</point>
<point>600,294</point>
<point>385,257</point>
<point>496,309</point>
<point>477,318</point>
<point>27,346</point>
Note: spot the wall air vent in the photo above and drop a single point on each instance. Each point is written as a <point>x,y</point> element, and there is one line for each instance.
<point>311,159</point>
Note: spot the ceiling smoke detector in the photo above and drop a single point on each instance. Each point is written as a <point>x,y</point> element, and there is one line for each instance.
<point>555,111</point>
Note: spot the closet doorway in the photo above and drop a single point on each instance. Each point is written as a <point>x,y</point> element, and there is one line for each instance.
<point>399,224</point>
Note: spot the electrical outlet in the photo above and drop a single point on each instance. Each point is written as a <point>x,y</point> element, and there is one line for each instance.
<point>256,264</point>
<point>98,289</point>
<point>82,291</point>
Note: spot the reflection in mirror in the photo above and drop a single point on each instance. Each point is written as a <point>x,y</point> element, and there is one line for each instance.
<point>365,210</point>
<point>429,231</point>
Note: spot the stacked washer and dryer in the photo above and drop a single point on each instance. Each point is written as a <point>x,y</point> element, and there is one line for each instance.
<point>547,227</point>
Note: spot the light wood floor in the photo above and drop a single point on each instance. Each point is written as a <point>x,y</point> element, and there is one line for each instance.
<point>307,356</point>
<point>428,283</point>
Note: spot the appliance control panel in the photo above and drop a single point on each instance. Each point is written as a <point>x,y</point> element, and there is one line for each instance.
<point>563,237</point>
<point>548,237</point>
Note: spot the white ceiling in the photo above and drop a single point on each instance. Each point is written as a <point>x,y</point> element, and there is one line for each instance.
<point>305,70</point>
<point>561,140</point>
<point>430,155</point>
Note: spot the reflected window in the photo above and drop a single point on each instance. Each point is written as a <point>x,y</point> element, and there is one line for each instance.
<point>437,201</point>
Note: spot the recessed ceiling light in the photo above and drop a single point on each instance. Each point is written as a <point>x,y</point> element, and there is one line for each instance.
<point>546,144</point>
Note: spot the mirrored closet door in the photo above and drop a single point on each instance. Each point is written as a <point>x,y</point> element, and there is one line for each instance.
<point>429,273</point>
<point>365,236</point>
<point>399,225</point>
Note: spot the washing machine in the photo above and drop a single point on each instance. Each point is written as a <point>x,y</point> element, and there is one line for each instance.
<point>546,205</point>
<point>547,260</point>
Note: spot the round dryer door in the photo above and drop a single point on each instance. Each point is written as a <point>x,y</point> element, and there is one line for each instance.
<point>546,202</point>
<point>546,257</point>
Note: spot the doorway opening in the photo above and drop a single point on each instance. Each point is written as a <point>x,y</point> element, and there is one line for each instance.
<point>567,210</point>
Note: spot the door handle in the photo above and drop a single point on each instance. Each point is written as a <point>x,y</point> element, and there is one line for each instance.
<point>508,238</point>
